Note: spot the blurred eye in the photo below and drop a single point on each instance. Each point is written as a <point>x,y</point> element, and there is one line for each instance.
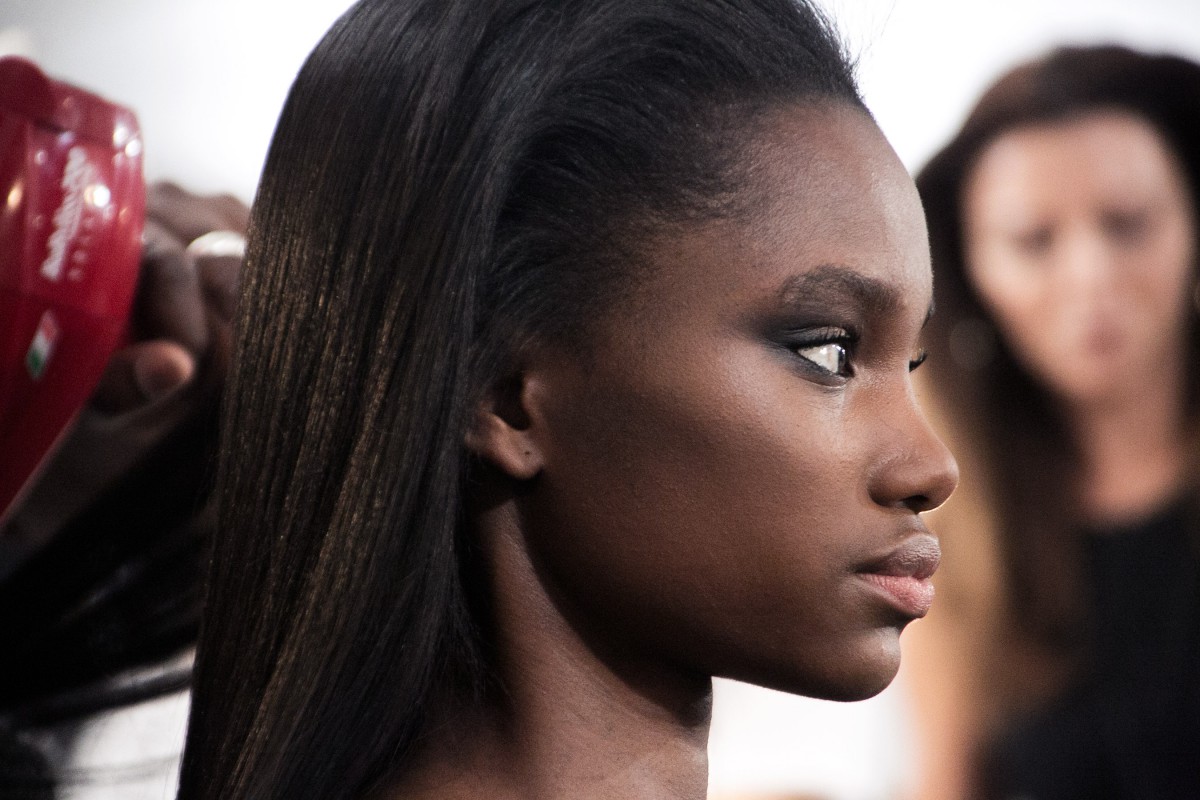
<point>1127,226</point>
<point>832,357</point>
<point>1034,242</point>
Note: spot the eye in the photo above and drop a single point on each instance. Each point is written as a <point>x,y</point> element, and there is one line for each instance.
<point>1034,241</point>
<point>827,350</point>
<point>832,357</point>
<point>917,360</point>
<point>1129,227</point>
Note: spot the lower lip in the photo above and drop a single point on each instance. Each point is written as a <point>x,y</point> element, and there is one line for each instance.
<point>911,596</point>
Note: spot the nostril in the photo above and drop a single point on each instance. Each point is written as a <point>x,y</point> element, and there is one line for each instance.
<point>919,503</point>
<point>927,502</point>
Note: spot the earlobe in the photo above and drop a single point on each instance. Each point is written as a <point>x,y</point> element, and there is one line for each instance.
<point>502,434</point>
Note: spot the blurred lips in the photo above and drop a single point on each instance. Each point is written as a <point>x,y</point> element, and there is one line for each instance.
<point>1103,338</point>
<point>903,574</point>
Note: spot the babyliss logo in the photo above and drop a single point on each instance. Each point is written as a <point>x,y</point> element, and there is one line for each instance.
<point>79,173</point>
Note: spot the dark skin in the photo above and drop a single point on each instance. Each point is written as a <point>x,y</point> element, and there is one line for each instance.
<point>714,490</point>
<point>171,371</point>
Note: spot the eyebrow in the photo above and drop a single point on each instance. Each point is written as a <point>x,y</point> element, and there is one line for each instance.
<point>829,281</point>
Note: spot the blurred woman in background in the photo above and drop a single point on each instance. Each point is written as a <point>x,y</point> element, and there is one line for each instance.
<point>1064,659</point>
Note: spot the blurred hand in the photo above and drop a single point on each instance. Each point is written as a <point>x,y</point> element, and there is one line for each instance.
<point>183,309</point>
<point>168,376</point>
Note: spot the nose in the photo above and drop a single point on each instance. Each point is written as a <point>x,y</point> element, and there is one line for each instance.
<point>914,468</point>
<point>1086,264</point>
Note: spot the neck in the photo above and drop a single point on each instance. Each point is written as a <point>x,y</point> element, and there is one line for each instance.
<point>565,721</point>
<point>1133,447</point>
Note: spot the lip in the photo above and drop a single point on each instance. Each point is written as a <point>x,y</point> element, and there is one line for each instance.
<point>1103,342</point>
<point>903,574</point>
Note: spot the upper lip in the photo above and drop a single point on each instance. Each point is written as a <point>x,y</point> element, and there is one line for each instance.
<point>917,556</point>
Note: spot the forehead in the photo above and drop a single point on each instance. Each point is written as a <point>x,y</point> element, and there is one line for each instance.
<point>831,182</point>
<point>823,188</point>
<point>1106,155</point>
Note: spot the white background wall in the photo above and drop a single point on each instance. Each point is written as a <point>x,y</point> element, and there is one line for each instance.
<point>207,78</point>
<point>924,62</point>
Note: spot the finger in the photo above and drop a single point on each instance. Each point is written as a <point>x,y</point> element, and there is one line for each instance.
<point>170,303</point>
<point>143,373</point>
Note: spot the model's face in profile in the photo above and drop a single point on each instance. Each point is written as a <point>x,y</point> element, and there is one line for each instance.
<point>1081,240</point>
<point>732,483</point>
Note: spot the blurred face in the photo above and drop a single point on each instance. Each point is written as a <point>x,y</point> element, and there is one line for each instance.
<point>736,475</point>
<point>1080,238</point>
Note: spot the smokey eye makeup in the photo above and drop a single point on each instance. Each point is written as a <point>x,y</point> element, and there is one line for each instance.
<point>830,319</point>
<point>832,351</point>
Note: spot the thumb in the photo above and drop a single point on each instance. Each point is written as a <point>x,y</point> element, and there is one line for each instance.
<point>142,373</point>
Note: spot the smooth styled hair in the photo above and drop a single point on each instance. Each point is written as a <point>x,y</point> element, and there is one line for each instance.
<point>997,407</point>
<point>450,180</point>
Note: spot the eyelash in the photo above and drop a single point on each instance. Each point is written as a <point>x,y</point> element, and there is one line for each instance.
<point>844,340</point>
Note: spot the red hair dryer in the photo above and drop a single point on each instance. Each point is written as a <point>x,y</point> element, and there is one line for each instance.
<point>72,206</point>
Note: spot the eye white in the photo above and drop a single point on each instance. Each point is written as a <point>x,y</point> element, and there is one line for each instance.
<point>830,356</point>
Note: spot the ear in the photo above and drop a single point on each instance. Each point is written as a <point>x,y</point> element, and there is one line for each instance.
<point>501,431</point>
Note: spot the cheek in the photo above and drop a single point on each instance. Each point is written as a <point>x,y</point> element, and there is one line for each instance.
<point>705,501</point>
<point>1165,281</point>
<point>1021,301</point>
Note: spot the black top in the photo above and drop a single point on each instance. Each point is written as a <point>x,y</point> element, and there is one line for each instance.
<point>1130,728</point>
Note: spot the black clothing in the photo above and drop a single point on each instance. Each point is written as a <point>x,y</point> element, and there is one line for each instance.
<point>1129,729</point>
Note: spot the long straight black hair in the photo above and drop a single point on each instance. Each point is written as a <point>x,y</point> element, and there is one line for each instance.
<point>449,178</point>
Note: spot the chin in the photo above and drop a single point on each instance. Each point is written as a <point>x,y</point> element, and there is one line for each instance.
<point>844,674</point>
<point>860,687</point>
